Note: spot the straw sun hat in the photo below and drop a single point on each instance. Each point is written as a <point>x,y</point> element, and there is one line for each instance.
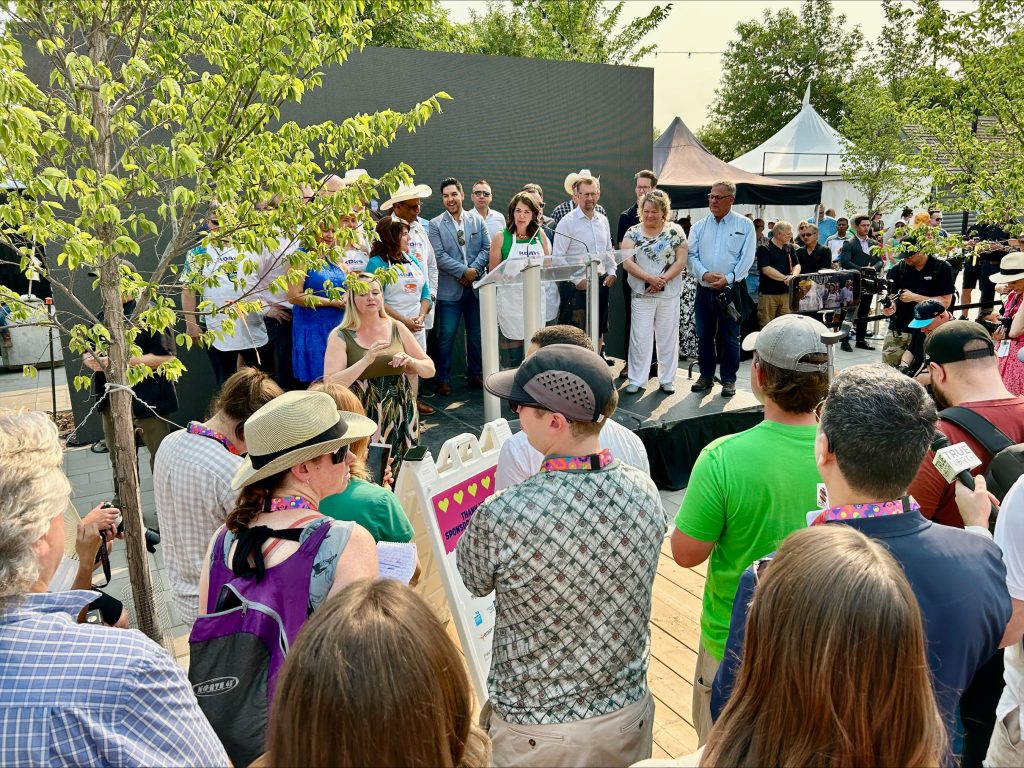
<point>407,192</point>
<point>293,428</point>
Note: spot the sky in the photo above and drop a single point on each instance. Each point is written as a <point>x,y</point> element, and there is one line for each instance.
<point>685,80</point>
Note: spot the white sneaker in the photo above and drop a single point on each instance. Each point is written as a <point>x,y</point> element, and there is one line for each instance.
<point>632,389</point>
<point>668,389</point>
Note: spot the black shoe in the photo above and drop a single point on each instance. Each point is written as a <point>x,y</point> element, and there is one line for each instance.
<point>702,385</point>
<point>845,346</point>
<point>609,361</point>
<point>624,373</point>
<point>475,382</point>
<point>728,388</point>
<point>865,345</point>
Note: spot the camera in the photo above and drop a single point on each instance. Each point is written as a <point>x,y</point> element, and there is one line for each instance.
<point>872,282</point>
<point>152,537</point>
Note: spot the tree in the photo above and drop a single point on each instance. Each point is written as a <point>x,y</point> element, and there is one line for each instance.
<point>765,72</point>
<point>585,30</point>
<point>877,152</point>
<point>967,110</point>
<point>154,109</point>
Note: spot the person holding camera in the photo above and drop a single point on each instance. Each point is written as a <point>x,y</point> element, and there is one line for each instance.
<point>917,277</point>
<point>75,694</point>
<point>856,254</point>
<point>928,316</point>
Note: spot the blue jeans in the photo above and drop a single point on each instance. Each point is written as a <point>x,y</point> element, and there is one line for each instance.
<point>447,319</point>
<point>715,331</point>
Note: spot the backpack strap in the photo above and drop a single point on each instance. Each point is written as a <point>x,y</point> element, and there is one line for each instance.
<point>297,524</point>
<point>992,438</point>
<point>249,545</point>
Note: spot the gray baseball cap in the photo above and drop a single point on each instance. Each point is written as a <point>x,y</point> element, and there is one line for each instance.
<point>561,378</point>
<point>786,340</point>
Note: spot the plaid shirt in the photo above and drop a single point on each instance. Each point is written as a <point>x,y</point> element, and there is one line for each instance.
<point>75,694</point>
<point>571,556</point>
<point>192,491</point>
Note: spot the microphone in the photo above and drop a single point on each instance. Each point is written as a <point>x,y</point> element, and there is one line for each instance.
<point>954,462</point>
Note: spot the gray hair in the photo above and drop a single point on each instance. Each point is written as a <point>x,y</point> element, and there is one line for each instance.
<point>33,491</point>
<point>730,185</point>
<point>879,424</point>
<point>782,226</point>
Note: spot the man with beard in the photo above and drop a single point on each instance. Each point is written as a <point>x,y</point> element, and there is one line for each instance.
<point>965,373</point>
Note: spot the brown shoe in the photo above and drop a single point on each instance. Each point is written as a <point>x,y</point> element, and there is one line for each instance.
<point>424,409</point>
<point>443,388</point>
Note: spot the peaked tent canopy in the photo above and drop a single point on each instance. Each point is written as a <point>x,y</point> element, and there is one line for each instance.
<point>686,171</point>
<point>805,146</point>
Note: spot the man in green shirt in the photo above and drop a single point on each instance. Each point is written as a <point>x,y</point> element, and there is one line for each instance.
<point>748,491</point>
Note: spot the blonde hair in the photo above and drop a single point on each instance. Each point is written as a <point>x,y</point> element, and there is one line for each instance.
<point>834,671</point>
<point>33,491</point>
<point>351,319</point>
<point>657,198</point>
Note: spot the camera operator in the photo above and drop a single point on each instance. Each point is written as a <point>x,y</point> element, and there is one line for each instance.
<point>856,254</point>
<point>916,278</point>
<point>928,315</point>
<point>75,694</point>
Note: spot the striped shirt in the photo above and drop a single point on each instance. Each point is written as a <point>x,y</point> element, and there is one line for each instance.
<point>76,694</point>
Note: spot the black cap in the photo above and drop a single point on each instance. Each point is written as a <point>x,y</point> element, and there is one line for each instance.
<point>561,378</point>
<point>946,344</point>
<point>926,311</point>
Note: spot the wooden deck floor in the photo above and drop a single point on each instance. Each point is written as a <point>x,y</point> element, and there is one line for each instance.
<point>675,630</point>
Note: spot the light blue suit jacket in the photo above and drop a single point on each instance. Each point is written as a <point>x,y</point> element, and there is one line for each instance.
<point>451,263</point>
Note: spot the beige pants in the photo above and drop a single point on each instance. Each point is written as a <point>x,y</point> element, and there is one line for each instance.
<point>893,347</point>
<point>772,305</point>
<point>617,739</point>
<point>1006,749</point>
<point>703,677</point>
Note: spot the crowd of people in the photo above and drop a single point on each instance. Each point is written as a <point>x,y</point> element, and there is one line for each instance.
<point>856,604</point>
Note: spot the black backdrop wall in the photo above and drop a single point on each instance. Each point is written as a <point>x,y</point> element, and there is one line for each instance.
<point>510,121</point>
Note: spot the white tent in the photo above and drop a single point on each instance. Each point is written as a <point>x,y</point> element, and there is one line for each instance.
<point>808,148</point>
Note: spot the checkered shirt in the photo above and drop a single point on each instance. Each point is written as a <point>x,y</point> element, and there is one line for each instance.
<point>572,557</point>
<point>563,208</point>
<point>192,490</point>
<point>76,694</point>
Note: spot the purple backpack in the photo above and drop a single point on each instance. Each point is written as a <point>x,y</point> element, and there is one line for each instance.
<point>237,650</point>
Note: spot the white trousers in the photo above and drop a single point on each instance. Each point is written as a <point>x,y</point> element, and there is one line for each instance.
<point>658,317</point>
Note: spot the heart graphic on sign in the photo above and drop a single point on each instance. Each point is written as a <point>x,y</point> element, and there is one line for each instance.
<point>472,489</point>
<point>486,482</point>
<point>458,495</point>
<point>443,505</point>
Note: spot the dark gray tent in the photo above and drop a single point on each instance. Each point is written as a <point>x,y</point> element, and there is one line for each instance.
<point>686,171</point>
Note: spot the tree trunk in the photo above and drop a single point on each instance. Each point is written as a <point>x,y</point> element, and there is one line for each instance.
<point>122,452</point>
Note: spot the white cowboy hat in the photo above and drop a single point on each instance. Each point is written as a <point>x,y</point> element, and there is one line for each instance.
<point>354,175</point>
<point>406,192</point>
<point>572,178</point>
<point>293,428</point>
<point>1010,268</point>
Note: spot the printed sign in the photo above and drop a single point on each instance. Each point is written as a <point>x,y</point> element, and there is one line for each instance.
<point>454,508</point>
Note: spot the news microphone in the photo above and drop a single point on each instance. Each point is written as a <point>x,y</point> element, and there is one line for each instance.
<point>954,462</point>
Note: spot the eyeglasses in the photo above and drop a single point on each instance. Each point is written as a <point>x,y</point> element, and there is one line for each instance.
<point>339,456</point>
<point>716,198</point>
<point>817,411</point>
<point>807,234</point>
<point>462,237</point>
<point>481,193</point>
<point>938,218</point>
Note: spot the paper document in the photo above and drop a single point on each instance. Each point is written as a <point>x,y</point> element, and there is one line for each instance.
<point>396,561</point>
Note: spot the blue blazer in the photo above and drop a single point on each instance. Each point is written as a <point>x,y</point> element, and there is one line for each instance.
<point>451,264</point>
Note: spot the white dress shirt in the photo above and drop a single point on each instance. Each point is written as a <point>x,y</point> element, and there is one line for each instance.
<point>594,232</point>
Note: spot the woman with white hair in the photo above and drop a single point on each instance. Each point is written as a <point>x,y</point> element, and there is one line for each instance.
<point>64,701</point>
<point>655,275</point>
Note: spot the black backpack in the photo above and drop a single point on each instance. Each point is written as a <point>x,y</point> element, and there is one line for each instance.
<point>1007,462</point>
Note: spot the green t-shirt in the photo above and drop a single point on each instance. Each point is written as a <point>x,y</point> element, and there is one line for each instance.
<point>747,492</point>
<point>375,508</point>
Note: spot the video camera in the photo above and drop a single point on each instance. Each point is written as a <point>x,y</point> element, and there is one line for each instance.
<point>873,283</point>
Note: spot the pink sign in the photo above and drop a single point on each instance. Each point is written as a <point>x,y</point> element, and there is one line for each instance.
<point>454,507</point>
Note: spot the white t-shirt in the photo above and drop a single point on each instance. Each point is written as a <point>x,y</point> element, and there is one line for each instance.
<point>519,460</point>
<point>228,282</point>
<point>1010,538</point>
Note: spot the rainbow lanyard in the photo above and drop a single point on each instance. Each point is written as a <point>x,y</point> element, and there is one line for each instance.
<point>290,502</point>
<point>570,463</point>
<point>195,428</point>
<point>861,511</point>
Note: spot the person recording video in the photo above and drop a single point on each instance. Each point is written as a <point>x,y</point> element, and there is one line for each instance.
<point>917,277</point>
<point>856,254</point>
<point>928,316</point>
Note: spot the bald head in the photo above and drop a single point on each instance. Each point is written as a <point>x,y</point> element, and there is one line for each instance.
<point>332,184</point>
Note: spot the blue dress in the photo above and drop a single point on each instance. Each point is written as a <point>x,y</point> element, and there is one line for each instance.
<point>311,328</point>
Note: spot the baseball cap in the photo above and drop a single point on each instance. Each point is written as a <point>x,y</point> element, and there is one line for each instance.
<point>946,344</point>
<point>561,378</point>
<point>926,311</point>
<point>95,271</point>
<point>785,340</point>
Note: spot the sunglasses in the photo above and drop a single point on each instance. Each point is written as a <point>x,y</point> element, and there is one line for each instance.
<point>807,234</point>
<point>339,456</point>
<point>480,193</point>
<point>462,237</point>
